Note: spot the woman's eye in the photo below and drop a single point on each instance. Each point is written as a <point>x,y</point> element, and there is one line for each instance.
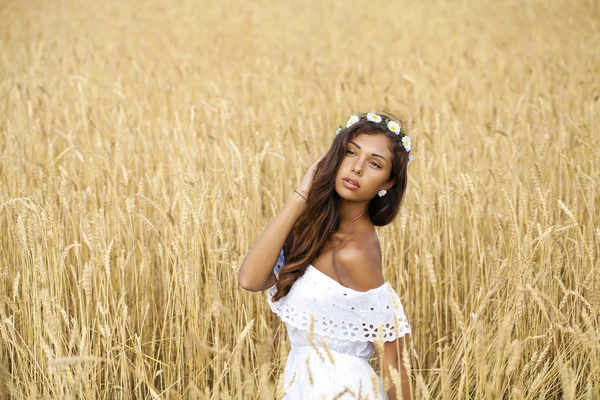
<point>349,152</point>
<point>376,165</point>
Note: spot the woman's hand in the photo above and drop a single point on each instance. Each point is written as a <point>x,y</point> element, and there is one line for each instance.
<point>306,183</point>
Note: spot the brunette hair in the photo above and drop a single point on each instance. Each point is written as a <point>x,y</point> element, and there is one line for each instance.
<point>321,218</point>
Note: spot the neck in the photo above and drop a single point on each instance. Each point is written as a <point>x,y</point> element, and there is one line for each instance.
<point>351,212</point>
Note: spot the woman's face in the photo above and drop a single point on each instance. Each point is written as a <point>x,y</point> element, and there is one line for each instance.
<point>365,168</point>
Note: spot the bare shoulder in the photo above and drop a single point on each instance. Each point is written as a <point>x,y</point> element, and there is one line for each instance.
<point>358,262</point>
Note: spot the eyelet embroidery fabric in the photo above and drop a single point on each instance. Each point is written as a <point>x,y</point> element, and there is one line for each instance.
<point>340,312</point>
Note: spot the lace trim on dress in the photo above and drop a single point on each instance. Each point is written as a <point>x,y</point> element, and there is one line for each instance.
<point>340,312</point>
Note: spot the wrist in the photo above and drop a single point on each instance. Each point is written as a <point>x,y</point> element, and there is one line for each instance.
<point>301,194</point>
<point>297,203</point>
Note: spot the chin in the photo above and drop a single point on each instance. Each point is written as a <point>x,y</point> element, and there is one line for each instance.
<point>343,192</point>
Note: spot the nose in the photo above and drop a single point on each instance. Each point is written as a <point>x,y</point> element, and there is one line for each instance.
<point>357,168</point>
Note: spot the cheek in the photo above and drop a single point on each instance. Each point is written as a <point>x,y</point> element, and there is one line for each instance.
<point>378,178</point>
<point>343,165</point>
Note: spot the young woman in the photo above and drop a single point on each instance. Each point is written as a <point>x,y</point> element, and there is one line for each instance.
<point>327,284</point>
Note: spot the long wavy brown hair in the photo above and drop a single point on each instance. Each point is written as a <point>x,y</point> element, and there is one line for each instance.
<point>320,219</point>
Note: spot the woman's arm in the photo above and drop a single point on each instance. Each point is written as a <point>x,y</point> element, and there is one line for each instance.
<point>256,271</point>
<point>392,357</point>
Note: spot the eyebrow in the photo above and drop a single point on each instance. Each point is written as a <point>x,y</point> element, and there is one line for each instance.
<point>373,154</point>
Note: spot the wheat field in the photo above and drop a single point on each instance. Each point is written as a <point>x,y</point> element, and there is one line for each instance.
<point>145,145</point>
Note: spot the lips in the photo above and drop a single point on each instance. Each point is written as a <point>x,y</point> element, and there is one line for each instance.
<point>352,182</point>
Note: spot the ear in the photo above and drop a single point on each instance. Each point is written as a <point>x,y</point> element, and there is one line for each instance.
<point>389,184</point>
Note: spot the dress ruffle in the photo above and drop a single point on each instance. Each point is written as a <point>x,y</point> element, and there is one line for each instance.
<point>340,312</point>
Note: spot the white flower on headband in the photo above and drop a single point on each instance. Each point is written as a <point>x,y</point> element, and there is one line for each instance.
<point>373,117</point>
<point>352,120</point>
<point>394,127</point>
<point>410,158</point>
<point>406,142</point>
<point>338,130</point>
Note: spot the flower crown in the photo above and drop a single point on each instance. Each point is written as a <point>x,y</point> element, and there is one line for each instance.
<point>393,126</point>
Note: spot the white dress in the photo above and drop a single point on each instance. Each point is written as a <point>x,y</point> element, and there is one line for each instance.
<point>346,323</point>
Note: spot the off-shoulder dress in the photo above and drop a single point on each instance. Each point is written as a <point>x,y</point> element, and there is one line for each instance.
<point>346,323</point>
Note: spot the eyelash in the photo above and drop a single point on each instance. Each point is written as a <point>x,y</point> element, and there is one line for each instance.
<point>372,162</point>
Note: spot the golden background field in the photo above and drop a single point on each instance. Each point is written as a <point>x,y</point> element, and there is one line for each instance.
<point>145,144</point>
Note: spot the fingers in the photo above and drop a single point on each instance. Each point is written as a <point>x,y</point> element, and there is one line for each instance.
<point>318,161</point>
